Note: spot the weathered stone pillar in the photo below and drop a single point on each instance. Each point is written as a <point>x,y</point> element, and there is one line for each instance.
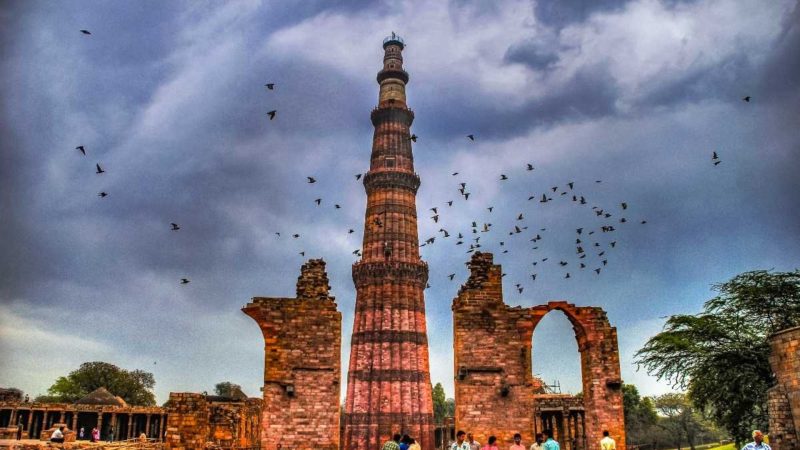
<point>147,425</point>
<point>130,425</point>
<point>75,422</point>
<point>11,420</point>
<point>302,364</point>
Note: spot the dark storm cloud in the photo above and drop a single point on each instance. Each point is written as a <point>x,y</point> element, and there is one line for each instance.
<point>589,93</point>
<point>532,53</point>
<point>560,13</point>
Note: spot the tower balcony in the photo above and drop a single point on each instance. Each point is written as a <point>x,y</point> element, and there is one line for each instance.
<point>392,114</point>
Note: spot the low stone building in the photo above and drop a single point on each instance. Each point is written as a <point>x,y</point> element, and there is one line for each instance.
<point>101,409</point>
<point>198,420</point>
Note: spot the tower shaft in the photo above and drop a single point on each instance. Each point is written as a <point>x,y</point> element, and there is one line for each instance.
<point>388,382</point>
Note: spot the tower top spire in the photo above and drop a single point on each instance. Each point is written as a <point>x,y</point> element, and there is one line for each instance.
<point>393,39</point>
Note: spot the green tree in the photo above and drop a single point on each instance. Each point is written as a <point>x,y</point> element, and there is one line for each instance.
<point>134,386</point>
<point>450,410</point>
<point>720,355</point>
<point>679,418</point>
<point>439,404</point>
<point>640,415</point>
<point>227,389</point>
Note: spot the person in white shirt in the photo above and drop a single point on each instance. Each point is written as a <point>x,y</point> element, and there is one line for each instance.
<point>607,443</point>
<point>537,443</point>
<point>473,444</point>
<point>58,435</point>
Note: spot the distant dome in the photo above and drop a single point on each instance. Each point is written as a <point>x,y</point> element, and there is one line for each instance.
<point>101,396</point>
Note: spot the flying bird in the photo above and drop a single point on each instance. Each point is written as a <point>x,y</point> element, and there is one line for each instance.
<point>624,205</point>
<point>715,158</point>
<point>302,253</point>
<point>358,176</point>
<point>318,201</point>
<point>175,226</point>
<point>351,231</point>
<point>82,150</point>
<point>311,180</point>
<point>87,32</point>
<point>503,177</point>
<point>451,276</point>
<point>271,114</point>
<point>102,194</point>
<point>449,203</point>
<point>455,173</point>
<point>747,99</point>
<point>435,218</point>
<point>471,137</point>
<point>570,184</point>
<point>434,210</point>
<point>270,86</point>
<point>295,236</point>
<point>184,281</point>
<point>337,206</point>
<point>530,166</point>
<point>490,208</point>
<point>519,217</point>
<point>413,138</point>
<point>597,270</point>
<point>99,169</point>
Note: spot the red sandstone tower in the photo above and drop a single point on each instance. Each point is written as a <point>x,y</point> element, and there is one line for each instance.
<point>388,384</point>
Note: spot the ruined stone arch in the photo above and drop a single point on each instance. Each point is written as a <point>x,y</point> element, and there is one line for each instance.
<point>496,393</point>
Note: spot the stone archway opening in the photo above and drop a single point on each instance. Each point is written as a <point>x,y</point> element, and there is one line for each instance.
<point>558,380</point>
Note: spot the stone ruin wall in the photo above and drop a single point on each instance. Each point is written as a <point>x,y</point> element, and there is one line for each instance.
<point>494,385</point>
<point>302,364</point>
<point>194,420</point>
<point>784,397</point>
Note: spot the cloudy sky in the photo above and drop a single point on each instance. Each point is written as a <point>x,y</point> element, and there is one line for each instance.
<point>168,97</point>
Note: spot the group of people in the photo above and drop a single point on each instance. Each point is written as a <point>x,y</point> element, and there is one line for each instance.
<point>544,441</point>
<point>404,442</point>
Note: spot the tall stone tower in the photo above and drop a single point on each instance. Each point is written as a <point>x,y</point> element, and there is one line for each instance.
<point>388,383</point>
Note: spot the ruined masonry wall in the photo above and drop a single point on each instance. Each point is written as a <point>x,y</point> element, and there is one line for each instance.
<point>302,348</point>
<point>784,397</point>
<point>494,385</point>
<point>187,422</point>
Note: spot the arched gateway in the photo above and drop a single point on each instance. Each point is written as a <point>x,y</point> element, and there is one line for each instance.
<point>495,388</point>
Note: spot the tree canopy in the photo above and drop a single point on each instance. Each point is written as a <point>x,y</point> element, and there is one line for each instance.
<point>721,354</point>
<point>134,386</point>
<point>228,389</point>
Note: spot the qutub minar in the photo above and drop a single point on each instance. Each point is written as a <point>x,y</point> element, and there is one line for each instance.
<point>388,382</point>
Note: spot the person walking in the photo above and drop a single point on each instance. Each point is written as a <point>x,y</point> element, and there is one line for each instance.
<point>537,443</point>
<point>758,442</point>
<point>460,443</point>
<point>549,442</point>
<point>607,443</point>
<point>414,445</point>
<point>517,443</point>
<point>95,435</point>
<point>473,444</point>
<point>405,442</point>
<point>492,445</point>
<point>393,443</point>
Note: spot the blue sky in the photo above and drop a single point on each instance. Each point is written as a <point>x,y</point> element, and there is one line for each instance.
<point>168,97</point>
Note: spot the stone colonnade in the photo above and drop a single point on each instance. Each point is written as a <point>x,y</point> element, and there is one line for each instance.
<point>29,420</point>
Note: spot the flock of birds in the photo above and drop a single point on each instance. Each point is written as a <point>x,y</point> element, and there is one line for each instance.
<point>586,242</point>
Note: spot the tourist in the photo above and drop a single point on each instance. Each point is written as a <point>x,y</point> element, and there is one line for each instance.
<point>405,442</point>
<point>517,443</point>
<point>95,434</point>
<point>460,443</point>
<point>473,444</point>
<point>492,445</point>
<point>58,435</point>
<point>82,433</point>
<point>549,442</point>
<point>758,442</point>
<point>537,443</point>
<point>414,445</point>
<point>607,443</point>
<point>393,444</point>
